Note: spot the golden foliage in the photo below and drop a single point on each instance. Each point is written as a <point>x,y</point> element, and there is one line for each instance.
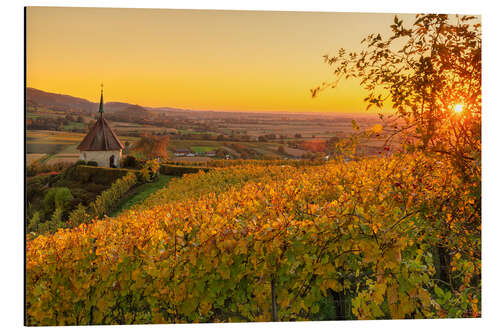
<point>208,250</point>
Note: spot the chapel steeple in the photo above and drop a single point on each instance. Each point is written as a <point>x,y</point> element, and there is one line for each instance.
<point>101,138</point>
<point>101,108</point>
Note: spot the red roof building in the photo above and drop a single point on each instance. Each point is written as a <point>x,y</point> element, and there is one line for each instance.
<point>101,144</point>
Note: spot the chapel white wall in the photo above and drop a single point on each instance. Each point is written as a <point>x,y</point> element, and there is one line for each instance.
<point>102,157</point>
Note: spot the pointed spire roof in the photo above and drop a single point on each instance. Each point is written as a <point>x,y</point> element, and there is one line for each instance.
<point>101,109</point>
<point>101,136</point>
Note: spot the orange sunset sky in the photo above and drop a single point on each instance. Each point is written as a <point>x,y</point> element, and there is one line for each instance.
<point>205,60</point>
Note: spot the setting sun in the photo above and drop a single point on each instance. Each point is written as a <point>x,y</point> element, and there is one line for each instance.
<point>458,108</point>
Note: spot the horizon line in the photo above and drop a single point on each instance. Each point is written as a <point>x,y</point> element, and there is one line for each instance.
<point>364,113</point>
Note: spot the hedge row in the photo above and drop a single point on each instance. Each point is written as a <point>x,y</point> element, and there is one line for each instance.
<point>230,163</point>
<point>107,199</point>
<point>104,202</point>
<point>179,170</point>
<point>101,175</point>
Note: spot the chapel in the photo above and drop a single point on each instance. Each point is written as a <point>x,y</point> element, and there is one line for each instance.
<point>101,144</point>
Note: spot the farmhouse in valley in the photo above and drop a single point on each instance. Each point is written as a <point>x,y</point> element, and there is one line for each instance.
<point>101,144</point>
<point>211,153</point>
<point>182,152</point>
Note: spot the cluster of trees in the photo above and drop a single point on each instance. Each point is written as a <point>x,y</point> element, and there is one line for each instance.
<point>55,206</point>
<point>245,152</point>
<point>36,168</point>
<point>62,200</point>
<point>43,123</point>
<point>152,146</point>
<point>133,118</point>
<point>73,118</point>
<point>54,123</point>
<point>234,137</point>
<point>195,136</point>
<point>51,197</point>
<point>267,137</point>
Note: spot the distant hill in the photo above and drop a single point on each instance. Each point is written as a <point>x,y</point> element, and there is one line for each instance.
<point>119,106</point>
<point>60,102</point>
<point>39,98</point>
<point>127,112</point>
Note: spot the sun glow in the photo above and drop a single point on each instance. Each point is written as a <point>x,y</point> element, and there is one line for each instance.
<point>458,108</point>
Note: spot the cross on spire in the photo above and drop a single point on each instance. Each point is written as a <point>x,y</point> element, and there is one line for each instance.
<point>101,109</point>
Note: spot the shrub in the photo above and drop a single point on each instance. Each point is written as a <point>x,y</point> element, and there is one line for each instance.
<point>62,197</point>
<point>35,187</point>
<point>99,175</point>
<point>150,170</point>
<point>57,197</point>
<point>179,170</point>
<point>95,188</point>
<point>130,162</point>
<point>71,172</point>
<point>92,163</point>
<point>78,216</point>
<point>55,222</point>
<point>34,222</point>
<point>85,195</point>
<point>56,219</point>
